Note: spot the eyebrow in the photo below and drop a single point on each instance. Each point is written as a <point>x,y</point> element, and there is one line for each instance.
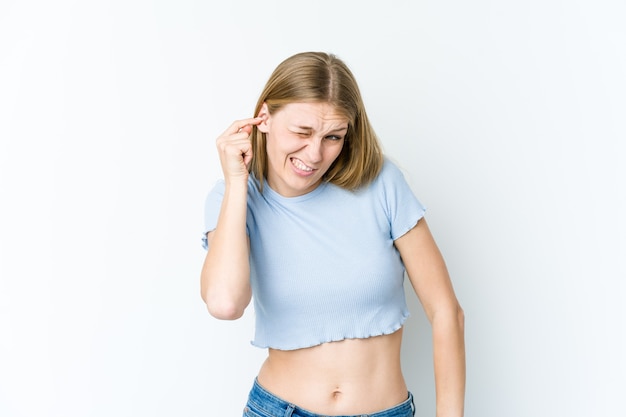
<point>339,129</point>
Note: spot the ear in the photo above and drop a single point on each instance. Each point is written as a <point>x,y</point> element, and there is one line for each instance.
<point>265,114</point>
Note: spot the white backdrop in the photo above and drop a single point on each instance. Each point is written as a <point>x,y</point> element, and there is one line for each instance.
<point>507,117</point>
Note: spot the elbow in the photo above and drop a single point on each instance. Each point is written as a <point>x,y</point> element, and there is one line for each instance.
<point>224,311</point>
<point>449,317</point>
<point>225,301</point>
<point>223,308</point>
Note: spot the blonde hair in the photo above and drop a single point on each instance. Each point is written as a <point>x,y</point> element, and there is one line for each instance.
<point>317,77</point>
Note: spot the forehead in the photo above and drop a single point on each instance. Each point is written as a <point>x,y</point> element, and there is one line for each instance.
<point>312,115</point>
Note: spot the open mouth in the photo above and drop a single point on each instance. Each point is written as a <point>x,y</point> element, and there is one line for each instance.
<point>298,164</point>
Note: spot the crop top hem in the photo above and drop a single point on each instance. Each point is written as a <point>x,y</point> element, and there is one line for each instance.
<point>389,330</point>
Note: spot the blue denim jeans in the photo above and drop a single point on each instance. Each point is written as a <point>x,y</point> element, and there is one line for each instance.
<point>261,403</point>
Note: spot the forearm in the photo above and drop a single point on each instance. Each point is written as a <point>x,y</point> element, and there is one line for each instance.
<point>449,360</point>
<point>226,270</point>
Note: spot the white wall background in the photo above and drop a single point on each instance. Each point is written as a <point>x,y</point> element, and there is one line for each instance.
<point>508,118</point>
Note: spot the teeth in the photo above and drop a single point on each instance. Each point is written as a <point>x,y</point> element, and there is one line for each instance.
<point>300,165</point>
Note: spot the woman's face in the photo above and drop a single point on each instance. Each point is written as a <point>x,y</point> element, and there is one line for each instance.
<point>302,142</point>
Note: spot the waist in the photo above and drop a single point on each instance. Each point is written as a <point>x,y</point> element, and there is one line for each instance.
<point>263,403</point>
<point>353,376</point>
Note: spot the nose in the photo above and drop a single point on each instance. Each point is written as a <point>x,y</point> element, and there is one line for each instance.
<point>314,149</point>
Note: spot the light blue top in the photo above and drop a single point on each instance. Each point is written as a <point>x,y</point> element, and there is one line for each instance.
<point>323,265</point>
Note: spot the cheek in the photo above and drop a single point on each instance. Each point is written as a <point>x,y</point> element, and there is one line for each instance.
<point>288,145</point>
<point>279,147</point>
<point>335,152</point>
<point>273,144</point>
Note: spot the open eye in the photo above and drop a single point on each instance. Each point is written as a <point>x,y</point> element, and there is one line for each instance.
<point>333,137</point>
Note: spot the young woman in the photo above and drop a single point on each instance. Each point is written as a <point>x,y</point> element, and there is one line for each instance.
<point>319,226</point>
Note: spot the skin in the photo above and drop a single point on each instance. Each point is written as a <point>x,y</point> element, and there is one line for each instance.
<point>357,376</point>
<point>303,140</point>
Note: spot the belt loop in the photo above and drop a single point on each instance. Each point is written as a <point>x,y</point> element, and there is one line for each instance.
<point>289,410</point>
<point>412,404</point>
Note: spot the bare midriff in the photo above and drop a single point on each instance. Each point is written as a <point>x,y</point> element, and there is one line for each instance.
<point>353,376</point>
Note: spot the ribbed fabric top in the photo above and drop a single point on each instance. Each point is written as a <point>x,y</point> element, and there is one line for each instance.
<point>323,265</point>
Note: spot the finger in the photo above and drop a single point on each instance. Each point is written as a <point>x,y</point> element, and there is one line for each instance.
<point>243,125</point>
<point>233,146</point>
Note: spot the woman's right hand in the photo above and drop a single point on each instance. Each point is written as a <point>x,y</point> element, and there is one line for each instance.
<point>235,149</point>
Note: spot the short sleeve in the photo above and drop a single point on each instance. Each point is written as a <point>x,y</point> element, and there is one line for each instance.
<point>403,209</point>
<point>212,206</point>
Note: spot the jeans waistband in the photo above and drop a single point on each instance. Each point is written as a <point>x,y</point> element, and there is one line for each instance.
<point>263,401</point>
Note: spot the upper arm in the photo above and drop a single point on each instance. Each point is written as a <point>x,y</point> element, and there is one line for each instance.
<point>209,239</point>
<point>427,270</point>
